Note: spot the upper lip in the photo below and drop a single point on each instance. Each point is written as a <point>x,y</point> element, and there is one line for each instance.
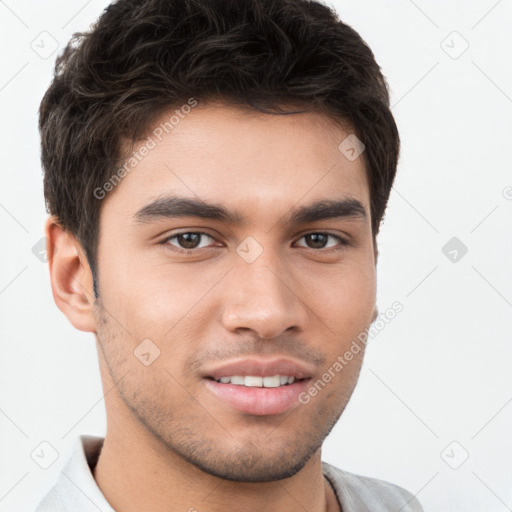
<point>261,368</point>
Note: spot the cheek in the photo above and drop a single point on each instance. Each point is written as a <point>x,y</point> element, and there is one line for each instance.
<point>142,294</point>
<point>150,298</point>
<point>344,299</point>
<point>167,304</point>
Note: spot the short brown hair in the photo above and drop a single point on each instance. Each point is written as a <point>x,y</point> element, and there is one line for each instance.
<point>145,56</point>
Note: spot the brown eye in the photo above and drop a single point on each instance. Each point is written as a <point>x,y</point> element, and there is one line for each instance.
<point>317,240</point>
<point>320,240</point>
<point>188,240</point>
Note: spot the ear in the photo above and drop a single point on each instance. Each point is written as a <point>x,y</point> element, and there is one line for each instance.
<point>376,255</point>
<point>70,275</point>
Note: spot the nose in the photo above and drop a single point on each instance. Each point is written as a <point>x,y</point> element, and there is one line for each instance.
<point>263,297</point>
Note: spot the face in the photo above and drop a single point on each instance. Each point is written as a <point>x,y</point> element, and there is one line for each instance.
<point>266,279</point>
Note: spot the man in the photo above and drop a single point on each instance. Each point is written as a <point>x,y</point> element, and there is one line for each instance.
<point>216,172</point>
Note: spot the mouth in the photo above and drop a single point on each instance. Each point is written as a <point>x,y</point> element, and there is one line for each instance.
<point>259,387</point>
<point>255,381</point>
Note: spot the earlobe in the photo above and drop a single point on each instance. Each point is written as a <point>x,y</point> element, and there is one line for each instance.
<point>70,276</point>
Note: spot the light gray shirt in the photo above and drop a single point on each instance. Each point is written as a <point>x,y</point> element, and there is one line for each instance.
<point>77,491</point>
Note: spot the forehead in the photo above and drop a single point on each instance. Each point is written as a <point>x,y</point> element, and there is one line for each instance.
<point>253,162</point>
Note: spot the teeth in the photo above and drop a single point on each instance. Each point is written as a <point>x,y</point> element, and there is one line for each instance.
<point>251,381</point>
<point>271,382</point>
<point>254,381</point>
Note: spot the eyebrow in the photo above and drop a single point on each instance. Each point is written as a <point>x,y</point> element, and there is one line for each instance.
<point>176,207</point>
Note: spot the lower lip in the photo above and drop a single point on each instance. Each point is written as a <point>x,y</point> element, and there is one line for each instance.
<point>258,400</point>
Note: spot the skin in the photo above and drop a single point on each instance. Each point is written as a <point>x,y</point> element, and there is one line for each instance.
<point>170,444</point>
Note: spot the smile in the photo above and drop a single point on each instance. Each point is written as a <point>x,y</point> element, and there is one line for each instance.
<point>273,381</point>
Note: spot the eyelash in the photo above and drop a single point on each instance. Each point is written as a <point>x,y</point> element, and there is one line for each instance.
<point>342,241</point>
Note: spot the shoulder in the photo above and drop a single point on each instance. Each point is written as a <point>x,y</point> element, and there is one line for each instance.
<point>75,487</point>
<point>52,502</point>
<point>359,493</point>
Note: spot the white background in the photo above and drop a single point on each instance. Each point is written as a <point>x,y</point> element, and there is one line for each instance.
<point>438,373</point>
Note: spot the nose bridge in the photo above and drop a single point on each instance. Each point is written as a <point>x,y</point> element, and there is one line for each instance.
<point>261,296</point>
